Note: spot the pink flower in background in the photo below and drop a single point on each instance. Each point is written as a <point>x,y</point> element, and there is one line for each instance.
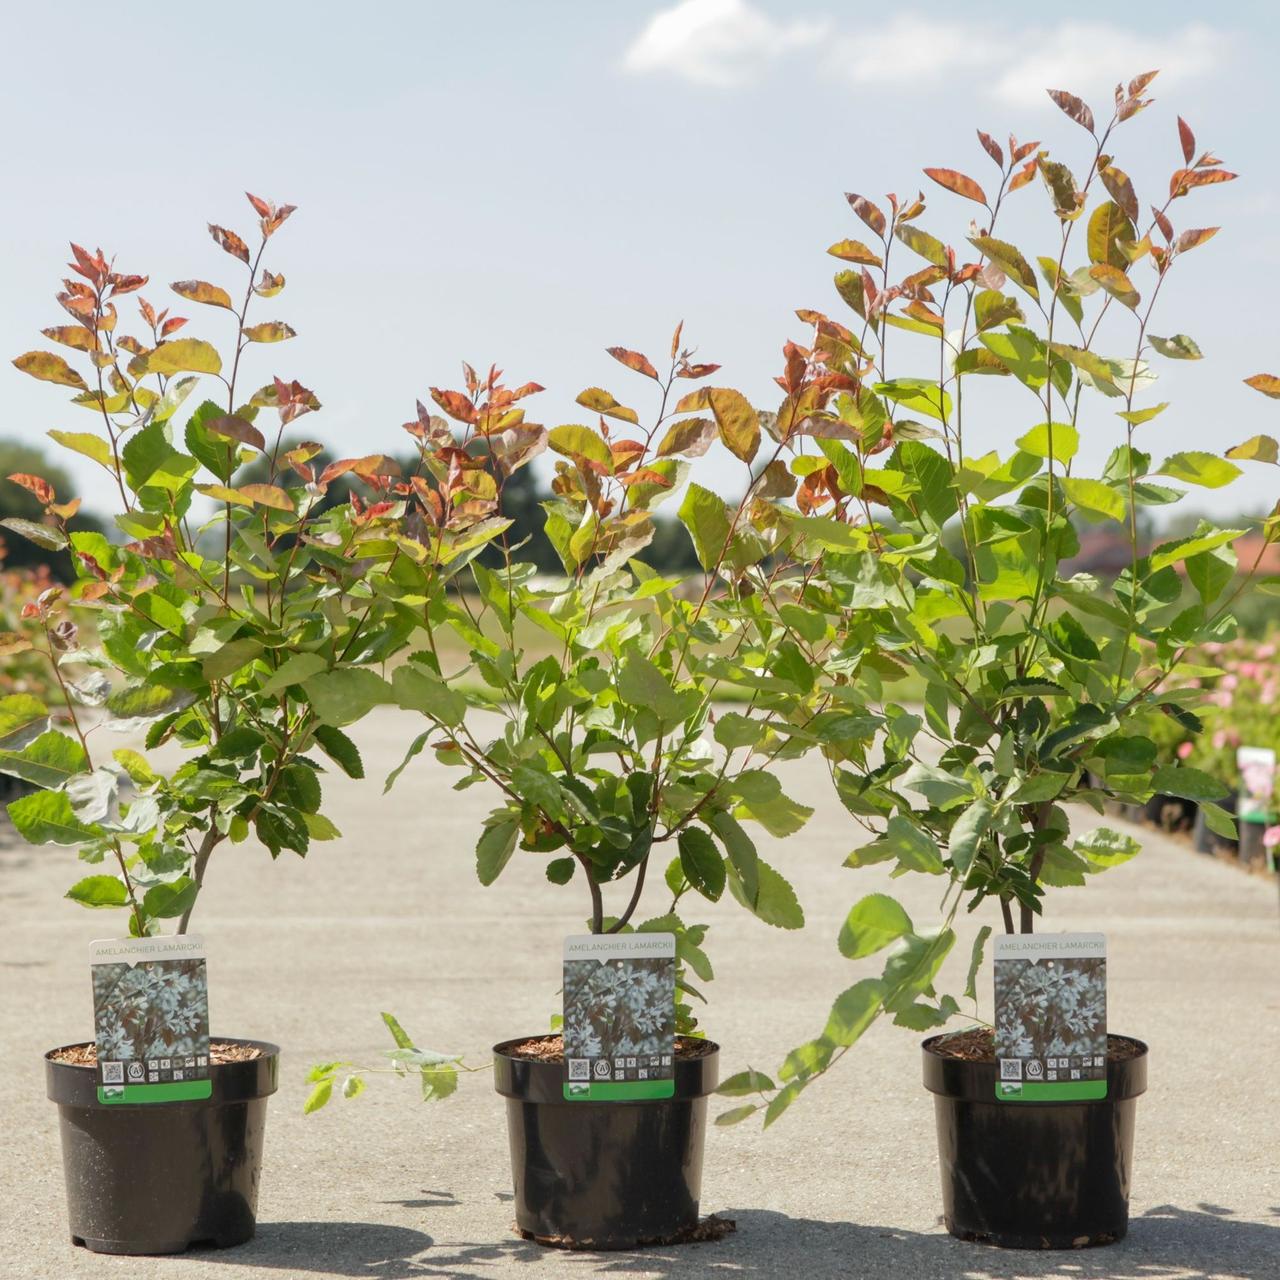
<point>1267,695</point>
<point>1230,682</point>
<point>1222,698</point>
<point>1219,739</point>
<point>1265,651</point>
<point>1271,837</point>
<point>1213,647</point>
<point>1249,670</point>
<point>1185,749</point>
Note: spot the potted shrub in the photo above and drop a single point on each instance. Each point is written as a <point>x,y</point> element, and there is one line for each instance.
<point>587,701</point>
<point>1033,682</point>
<point>239,626</point>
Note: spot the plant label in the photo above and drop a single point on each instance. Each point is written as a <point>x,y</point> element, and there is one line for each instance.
<point>619,1016</point>
<point>151,1019</point>
<point>1051,1016</point>
<point>1257,766</point>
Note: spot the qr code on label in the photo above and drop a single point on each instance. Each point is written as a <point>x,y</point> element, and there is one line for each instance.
<point>113,1073</point>
<point>1010,1068</point>
<point>579,1069</point>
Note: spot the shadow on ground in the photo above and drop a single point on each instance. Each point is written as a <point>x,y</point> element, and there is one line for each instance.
<point>1166,1243</point>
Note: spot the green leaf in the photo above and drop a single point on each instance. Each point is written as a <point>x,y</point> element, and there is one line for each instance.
<point>641,684</point>
<point>345,695</point>
<point>296,668</point>
<point>86,444</point>
<point>184,355</point>
<point>775,902</point>
<point>496,844</point>
<point>318,1097</point>
<point>1219,821</point>
<point>930,248</point>
<point>47,536</point>
<point>49,761</point>
<point>417,689</point>
<point>1095,496</point>
<point>920,394</point>
<point>735,1115</point>
<point>230,658</point>
<point>147,701</point>
<point>854,1011</point>
<point>1008,257</point>
<point>136,766</point>
<point>968,833</point>
<point>1106,848</point>
<point>165,901</point>
<point>99,891</point>
<point>353,1086</point>
<point>1062,447</point>
<point>1136,417</point>
<point>744,1084</point>
<point>560,870</point>
<point>975,962</point>
<point>903,840</point>
<point>702,863</point>
<point>23,718</point>
<point>340,749</point>
<point>1179,347</point>
<point>1187,783</point>
<point>705,516</point>
<point>872,924</point>
<point>1205,469</point>
<point>581,442</point>
<point>47,817</point>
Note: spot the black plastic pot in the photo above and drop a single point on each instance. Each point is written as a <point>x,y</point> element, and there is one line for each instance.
<point>1202,839</point>
<point>160,1177</point>
<point>1251,849</point>
<point>1033,1175</point>
<point>604,1175</point>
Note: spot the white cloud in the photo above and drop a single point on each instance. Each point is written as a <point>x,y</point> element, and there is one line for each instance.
<point>724,43</point>
<point>1016,67</point>
<point>720,43</point>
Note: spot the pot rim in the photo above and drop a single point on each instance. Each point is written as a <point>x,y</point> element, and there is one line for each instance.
<point>966,1081</point>
<point>75,1084</point>
<point>527,1080</point>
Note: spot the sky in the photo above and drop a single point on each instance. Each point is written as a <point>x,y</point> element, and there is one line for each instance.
<point>529,183</point>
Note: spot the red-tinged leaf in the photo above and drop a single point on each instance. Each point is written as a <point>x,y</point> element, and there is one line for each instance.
<point>855,251</point>
<point>918,311</point>
<point>148,312</point>
<point>40,488</point>
<point>260,206</point>
<point>172,325</point>
<point>131,345</point>
<point>1074,107</point>
<point>91,266</point>
<point>1120,189</point>
<point>600,401</point>
<point>232,428</point>
<point>202,291</point>
<point>269,285</point>
<point>634,360</point>
<point>1020,152</point>
<point>267,495</point>
<point>72,335</point>
<point>696,370</point>
<point>269,331</point>
<point>65,510</point>
<point>455,404</point>
<point>691,437</point>
<point>645,475</point>
<point>1188,140</point>
<point>739,423</point>
<point>1192,239</point>
<point>50,368</point>
<point>527,389</point>
<point>126,283</point>
<point>1023,176</point>
<point>231,242</point>
<point>1116,283</point>
<point>957,182</point>
<point>1139,83</point>
<point>992,148</point>
<point>675,339</point>
<point>1166,227</point>
<point>1184,180</point>
<point>868,212</point>
<point>1267,383</point>
<point>694,401</point>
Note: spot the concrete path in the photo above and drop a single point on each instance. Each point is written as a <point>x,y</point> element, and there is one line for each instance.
<point>392,917</point>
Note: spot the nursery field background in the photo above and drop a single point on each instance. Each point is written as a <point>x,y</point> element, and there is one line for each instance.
<point>391,917</point>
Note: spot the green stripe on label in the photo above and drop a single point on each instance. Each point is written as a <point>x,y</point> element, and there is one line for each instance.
<point>619,1091</point>
<point>1055,1091</point>
<point>172,1091</point>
